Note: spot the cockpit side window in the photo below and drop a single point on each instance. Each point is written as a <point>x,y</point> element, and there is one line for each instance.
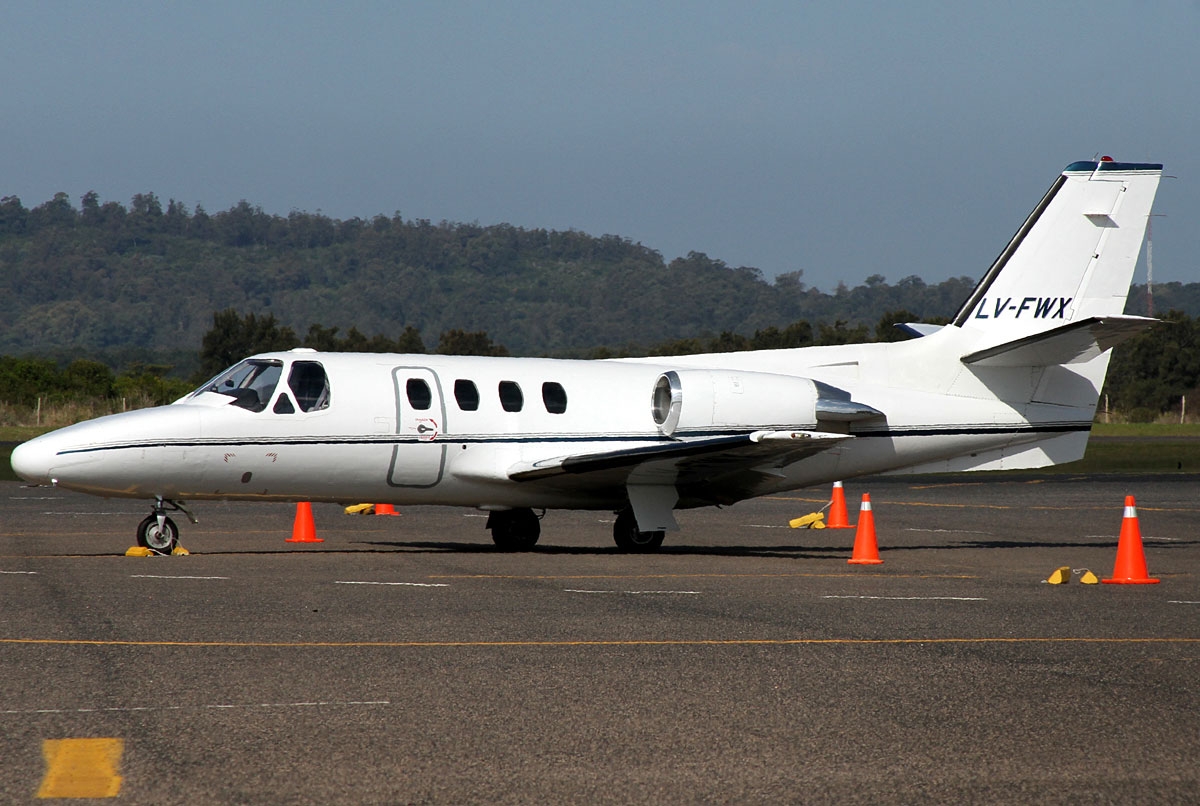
<point>310,385</point>
<point>250,383</point>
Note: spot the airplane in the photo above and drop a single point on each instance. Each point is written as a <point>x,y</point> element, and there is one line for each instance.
<point>1012,382</point>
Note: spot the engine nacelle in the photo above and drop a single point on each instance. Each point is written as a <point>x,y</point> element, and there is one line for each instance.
<point>699,399</point>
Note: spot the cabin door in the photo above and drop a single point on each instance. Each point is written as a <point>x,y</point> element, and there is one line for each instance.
<point>419,456</point>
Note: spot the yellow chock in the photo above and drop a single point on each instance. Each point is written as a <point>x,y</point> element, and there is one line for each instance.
<point>1061,576</point>
<point>138,551</point>
<point>1089,578</point>
<point>360,509</point>
<point>813,520</point>
<point>179,551</point>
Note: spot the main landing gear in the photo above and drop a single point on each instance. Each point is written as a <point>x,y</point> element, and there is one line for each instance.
<point>514,529</point>
<point>628,538</point>
<point>158,532</point>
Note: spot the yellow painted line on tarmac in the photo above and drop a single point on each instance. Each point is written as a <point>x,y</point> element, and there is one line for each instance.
<point>699,576</point>
<point>629,642</point>
<point>81,768</point>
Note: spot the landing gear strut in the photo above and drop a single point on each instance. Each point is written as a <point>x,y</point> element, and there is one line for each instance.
<point>158,532</point>
<point>514,529</point>
<point>628,538</point>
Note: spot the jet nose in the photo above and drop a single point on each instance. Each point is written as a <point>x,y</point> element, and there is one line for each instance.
<point>31,461</point>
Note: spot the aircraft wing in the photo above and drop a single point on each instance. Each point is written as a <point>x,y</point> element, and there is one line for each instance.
<point>717,469</point>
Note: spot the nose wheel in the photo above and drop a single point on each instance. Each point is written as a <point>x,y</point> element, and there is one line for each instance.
<point>161,536</point>
<point>158,532</point>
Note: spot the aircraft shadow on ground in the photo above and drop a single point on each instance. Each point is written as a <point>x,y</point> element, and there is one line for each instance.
<point>786,551</point>
<point>793,552</point>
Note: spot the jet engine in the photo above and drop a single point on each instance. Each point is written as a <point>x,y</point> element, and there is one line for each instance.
<point>702,399</point>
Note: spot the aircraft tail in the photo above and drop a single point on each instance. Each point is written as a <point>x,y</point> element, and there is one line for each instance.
<point>1071,262</point>
<point>1037,330</point>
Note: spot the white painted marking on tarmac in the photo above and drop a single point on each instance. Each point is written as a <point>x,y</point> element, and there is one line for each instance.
<point>766,526</point>
<point>132,708</point>
<point>29,573</point>
<point>168,576</point>
<point>1180,601</point>
<point>1144,537</point>
<point>407,584</point>
<point>632,593</point>
<point>947,531</point>
<point>685,593</point>
<point>915,598</point>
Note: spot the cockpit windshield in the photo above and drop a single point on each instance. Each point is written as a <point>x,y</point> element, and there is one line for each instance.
<point>250,383</point>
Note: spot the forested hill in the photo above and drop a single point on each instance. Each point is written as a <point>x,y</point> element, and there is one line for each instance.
<point>106,279</point>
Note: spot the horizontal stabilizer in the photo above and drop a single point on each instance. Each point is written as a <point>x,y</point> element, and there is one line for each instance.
<point>1069,344</point>
<point>918,329</point>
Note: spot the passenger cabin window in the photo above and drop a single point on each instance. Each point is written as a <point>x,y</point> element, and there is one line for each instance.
<point>250,383</point>
<point>310,385</point>
<point>555,397</point>
<point>466,394</point>
<point>510,396</point>
<point>419,396</point>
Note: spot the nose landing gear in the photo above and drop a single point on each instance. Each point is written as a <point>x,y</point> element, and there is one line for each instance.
<point>158,532</point>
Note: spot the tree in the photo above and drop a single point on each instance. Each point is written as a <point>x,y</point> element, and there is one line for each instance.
<point>234,337</point>
<point>89,379</point>
<point>410,341</point>
<point>460,342</point>
<point>886,330</point>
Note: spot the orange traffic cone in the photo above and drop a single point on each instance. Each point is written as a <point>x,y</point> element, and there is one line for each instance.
<point>385,509</point>
<point>866,551</point>
<point>304,530</point>
<point>1130,568</point>
<point>837,509</point>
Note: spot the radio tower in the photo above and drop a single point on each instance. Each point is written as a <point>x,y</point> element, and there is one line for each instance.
<point>1150,264</point>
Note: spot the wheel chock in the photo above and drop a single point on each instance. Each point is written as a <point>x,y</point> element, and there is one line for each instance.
<point>179,551</point>
<point>1089,578</point>
<point>360,509</point>
<point>1061,576</point>
<point>813,520</point>
<point>138,551</point>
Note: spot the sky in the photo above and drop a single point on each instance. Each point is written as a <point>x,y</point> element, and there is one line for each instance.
<point>842,140</point>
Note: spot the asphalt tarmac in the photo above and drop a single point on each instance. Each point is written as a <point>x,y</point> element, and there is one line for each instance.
<point>405,660</point>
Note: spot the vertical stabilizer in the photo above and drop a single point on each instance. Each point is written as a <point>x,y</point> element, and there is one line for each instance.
<point>1072,259</point>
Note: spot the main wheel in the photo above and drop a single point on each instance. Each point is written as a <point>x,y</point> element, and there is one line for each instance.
<point>162,540</point>
<point>628,538</point>
<point>514,529</point>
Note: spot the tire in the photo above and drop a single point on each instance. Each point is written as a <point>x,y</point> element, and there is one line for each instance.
<point>628,538</point>
<point>149,536</point>
<point>515,529</point>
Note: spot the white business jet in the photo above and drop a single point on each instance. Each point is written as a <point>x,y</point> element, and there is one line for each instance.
<point>1012,382</point>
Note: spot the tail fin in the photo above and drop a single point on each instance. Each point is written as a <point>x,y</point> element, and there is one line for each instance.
<point>1073,258</point>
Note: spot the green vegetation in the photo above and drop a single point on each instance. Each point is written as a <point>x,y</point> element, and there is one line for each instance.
<point>120,283</point>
